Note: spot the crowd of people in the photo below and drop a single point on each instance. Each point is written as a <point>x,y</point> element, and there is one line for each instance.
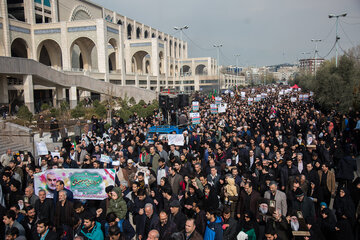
<point>272,169</point>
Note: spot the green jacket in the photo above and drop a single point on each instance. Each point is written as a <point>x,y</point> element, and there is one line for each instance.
<point>117,206</point>
<point>155,161</point>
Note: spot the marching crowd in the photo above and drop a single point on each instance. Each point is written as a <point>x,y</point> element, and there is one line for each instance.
<point>273,169</point>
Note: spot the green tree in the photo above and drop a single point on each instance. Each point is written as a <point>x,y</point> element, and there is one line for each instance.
<point>25,114</point>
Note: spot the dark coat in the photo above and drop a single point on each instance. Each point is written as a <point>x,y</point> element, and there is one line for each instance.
<point>68,214</point>
<point>194,236</point>
<point>166,230</point>
<point>231,231</point>
<point>45,209</point>
<point>179,219</point>
<point>254,198</point>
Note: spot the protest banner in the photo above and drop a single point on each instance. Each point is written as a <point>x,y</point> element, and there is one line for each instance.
<point>106,159</point>
<point>84,183</point>
<point>250,101</point>
<point>195,106</point>
<point>218,100</point>
<point>213,108</point>
<point>41,148</point>
<point>221,108</point>
<point>293,99</point>
<point>306,97</point>
<point>195,118</point>
<point>176,139</point>
<point>258,98</point>
<point>301,97</point>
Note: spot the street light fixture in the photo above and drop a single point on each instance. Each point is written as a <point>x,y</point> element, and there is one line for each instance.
<point>237,63</point>
<point>337,37</point>
<point>218,63</point>
<point>181,55</point>
<point>316,41</point>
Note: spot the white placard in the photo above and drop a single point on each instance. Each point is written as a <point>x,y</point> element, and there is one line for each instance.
<point>243,94</point>
<point>293,99</point>
<point>41,148</point>
<point>104,158</point>
<point>176,139</point>
<point>222,108</point>
<point>55,154</point>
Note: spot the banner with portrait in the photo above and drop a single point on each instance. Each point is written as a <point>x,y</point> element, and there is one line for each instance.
<point>84,183</point>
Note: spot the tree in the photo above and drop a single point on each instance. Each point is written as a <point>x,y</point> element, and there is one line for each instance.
<point>24,113</point>
<point>335,87</point>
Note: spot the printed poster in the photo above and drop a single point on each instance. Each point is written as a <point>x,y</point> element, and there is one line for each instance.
<point>84,183</point>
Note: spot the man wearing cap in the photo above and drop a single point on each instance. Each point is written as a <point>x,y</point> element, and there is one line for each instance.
<point>177,216</point>
<point>304,204</point>
<point>129,171</point>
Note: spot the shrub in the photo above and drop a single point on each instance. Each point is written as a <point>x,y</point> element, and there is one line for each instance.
<point>78,111</point>
<point>101,110</point>
<point>24,113</point>
<point>45,106</point>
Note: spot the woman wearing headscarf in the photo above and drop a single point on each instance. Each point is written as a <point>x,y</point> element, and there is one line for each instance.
<point>345,213</point>
<point>211,201</point>
<point>248,225</point>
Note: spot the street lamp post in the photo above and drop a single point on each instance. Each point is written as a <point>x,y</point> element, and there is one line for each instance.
<point>181,55</point>
<point>337,37</point>
<point>316,51</point>
<point>237,63</point>
<point>218,63</point>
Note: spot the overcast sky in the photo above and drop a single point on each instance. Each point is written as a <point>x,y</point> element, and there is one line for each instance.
<point>263,32</point>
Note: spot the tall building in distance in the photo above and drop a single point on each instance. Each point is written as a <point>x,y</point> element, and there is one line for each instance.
<point>80,38</point>
<point>308,65</point>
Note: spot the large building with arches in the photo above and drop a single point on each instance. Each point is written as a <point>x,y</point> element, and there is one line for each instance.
<point>80,38</point>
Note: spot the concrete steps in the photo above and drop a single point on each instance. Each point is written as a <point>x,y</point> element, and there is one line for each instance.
<point>6,143</point>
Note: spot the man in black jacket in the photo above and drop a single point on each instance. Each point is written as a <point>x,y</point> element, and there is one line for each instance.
<point>177,216</point>
<point>149,221</point>
<point>229,225</point>
<point>43,231</point>
<point>166,228</point>
<point>44,207</point>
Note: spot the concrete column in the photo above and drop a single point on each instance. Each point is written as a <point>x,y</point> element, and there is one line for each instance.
<point>121,54</point>
<point>29,92</point>
<point>5,28</point>
<point>136,80</point>
<point>4,94</point>
<point>29,7</point>
<point>60,96</point>
<point>102,49</point>
<point>148,81</point>
<point>54,11</point>
<point>73,97</point>
<point>65,51</point>
<point>155,57</point>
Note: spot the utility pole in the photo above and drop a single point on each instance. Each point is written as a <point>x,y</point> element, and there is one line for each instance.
<point>181,55</point>
<point>316,51</point>
<point>218,63</point>
<point>337,37</point>
<point>237,63</point>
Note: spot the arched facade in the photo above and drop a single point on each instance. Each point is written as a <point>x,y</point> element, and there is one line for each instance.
<point>113,52</point>
<point>201,70</point>
<point>80,13</point>
<point>185,70</point>
<point>141,61</point>
<point>83,54</point>
<point>49,53</point>
<point>20,48</point>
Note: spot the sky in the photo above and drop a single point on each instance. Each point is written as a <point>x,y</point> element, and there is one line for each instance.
<point>262,32</point>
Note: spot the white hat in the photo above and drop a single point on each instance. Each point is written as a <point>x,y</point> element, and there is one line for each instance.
<point>116,163</point>
<point>130,161</point>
